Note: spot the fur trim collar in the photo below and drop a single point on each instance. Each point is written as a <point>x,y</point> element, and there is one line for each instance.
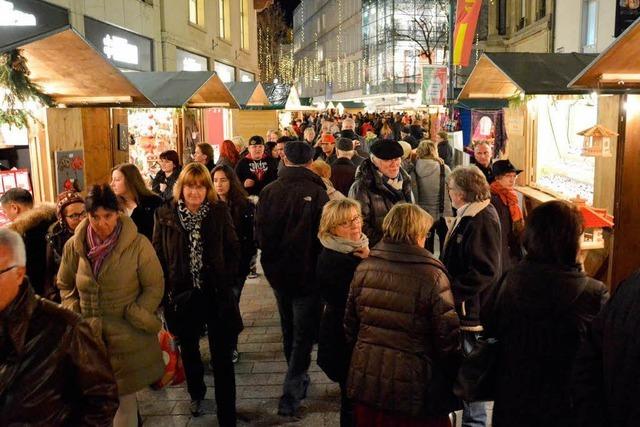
<point>45,212</point>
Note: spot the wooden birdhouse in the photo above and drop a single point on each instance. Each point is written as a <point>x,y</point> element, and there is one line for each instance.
<point>594,221</point>
<point>597,141</point>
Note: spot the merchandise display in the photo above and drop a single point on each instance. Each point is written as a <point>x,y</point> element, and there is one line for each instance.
<point>152,131</point>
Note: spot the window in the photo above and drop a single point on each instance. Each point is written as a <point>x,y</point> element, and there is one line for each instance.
<point>246,76</point>
<point>589,25</point>
<point>541,10</point>
<point>502,17</point>
<point>244,24</point>
<point>227,73</point>
<point>196,12</point>
<point>225,22</point>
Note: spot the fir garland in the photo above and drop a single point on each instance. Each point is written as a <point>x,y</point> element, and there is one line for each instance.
<point>14,78</point>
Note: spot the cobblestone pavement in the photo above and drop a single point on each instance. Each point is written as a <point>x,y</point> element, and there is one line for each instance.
<point>259,375</point>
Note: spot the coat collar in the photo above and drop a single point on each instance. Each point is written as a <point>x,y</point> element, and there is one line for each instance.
<point>32,217</point>
<point>300,172</point>
<point>16,316</point>
<point>369,174</point>
<point>404,253</point>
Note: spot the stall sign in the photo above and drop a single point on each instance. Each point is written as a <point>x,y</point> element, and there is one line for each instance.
<point>187,61</point>
<point>21,20</point>
<point>122,48</point>
<point>627,11</point>
<point>434,85</point>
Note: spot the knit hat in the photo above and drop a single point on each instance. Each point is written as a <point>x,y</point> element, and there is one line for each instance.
<point>65,199</point>
<point>406,149</point>
<point>387,149</point>
<point>328,137</point>
<point>344,144</point>
<point>298,152</point>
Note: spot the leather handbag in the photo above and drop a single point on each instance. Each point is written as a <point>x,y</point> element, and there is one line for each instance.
<point>477,374</point>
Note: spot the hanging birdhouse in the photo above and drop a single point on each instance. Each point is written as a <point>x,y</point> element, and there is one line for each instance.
<point>597,141</point>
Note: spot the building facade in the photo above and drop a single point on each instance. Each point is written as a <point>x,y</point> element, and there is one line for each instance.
<point>587,25</point>
<point>172,35</point>
<point>520,26</point>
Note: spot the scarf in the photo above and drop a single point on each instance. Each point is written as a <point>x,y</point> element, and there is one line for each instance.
<point>98,250</point>
<point>192,223</point>
<point>510,199</point>
<point>344,246</point>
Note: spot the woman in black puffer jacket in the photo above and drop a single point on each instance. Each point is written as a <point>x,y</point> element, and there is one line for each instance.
<point>344,246</point>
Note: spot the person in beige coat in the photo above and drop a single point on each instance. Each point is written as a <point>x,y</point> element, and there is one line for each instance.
<point>111,275</point>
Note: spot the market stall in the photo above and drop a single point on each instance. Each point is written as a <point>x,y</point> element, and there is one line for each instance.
<point>187,108</point>
<point>617,69</point>
<point>542,125</point>
<point>286,100</point>
<point>250,119</point>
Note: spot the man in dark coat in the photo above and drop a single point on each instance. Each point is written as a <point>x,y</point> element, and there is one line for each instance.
<point>343,169</point>
<point>348,131</point>
<point>606,375</point>
<point>32,224</point>
<point>408,137</point>
<point>53,371</point>
<point>482,155</point>
<point>472,252</point>
<point>380,183</point>
<point>287,222</point>
<point>445,151</point>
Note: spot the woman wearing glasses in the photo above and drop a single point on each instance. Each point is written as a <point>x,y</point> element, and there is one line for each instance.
<point>344,246</point>
<point>70,211</point>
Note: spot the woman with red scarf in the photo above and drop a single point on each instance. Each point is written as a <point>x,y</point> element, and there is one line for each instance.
<point>505,199</point>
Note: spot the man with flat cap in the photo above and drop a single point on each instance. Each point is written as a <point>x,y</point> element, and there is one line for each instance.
<point>287,221</point>
<point>380,183</point>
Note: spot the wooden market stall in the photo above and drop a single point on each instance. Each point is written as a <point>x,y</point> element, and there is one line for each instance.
<point>542,123</point>
<point>250,118</point>
<point>70,70</point>
<point>615,69</point>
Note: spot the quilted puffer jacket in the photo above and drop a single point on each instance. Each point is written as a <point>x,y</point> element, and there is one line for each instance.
<point>401,319</point>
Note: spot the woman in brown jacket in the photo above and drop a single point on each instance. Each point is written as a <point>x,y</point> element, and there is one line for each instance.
<point>400,317</point>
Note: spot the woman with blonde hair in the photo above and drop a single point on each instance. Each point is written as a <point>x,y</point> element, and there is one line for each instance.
<point>323,170</point>
<point>429,179</point>
<point>137,201</point>
<point>401,321</point>
<point>199,251</point>
<point>344,246</point>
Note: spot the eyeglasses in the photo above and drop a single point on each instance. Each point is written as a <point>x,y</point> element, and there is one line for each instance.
<point>352,221</point>
<point>77,215</point>
<point>7,269</point>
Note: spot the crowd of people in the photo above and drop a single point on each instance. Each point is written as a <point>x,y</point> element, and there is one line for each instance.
<point>398,264</point>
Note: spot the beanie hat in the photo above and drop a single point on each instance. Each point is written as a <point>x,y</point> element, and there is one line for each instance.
<point>387,149</point>
<point>298,152</point>
<point>65,199</point>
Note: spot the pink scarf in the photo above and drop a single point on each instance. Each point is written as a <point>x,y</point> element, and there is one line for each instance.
<point>98,250</point>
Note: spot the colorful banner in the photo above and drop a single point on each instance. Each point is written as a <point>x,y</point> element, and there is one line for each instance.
<point>434,85</point>
<point>467,13</point>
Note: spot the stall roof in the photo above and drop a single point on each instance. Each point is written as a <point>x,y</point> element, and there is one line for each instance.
<point>249,94</point>
<point>504,75</point>
<point>69,69</point>
<point>617,67</point>
<point>183,88</point>
<point>351,104</point>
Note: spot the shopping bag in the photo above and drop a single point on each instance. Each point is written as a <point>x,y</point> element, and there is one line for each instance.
<point>173,368</point>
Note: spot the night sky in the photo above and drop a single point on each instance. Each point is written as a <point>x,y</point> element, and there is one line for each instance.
<point>288,6</point>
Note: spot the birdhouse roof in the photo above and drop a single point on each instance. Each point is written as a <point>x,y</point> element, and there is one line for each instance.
<point>595,218</point>
<point>598,131</point>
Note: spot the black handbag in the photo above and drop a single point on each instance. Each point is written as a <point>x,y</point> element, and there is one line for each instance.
<point>477,374</point>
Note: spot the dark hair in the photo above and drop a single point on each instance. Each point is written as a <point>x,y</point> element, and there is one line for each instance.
<point>237,193</point>
<point>101,196</point>
<point>172,156</point>
<point>17,195</point>
<point>552,233</point>
<point>285,139</point>
<point>134,180</point>
<point>207,150</point>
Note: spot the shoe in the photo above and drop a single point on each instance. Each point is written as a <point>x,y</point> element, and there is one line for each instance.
<point>235,356</point>
<point>194,407</point>
<point>305,385</point>
<point>252,275</point>
<point>286,407</point>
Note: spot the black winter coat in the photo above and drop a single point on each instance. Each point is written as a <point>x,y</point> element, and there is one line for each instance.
<point>472,257</point>
<point>511,246</point>
<point>343,174</point>
<point>220,264</point>
<point>242,215</point>
<point>606,380</point>
<point>143,214</point>
<point>56,238</point>
<point>333,278</point>
<point>540,319</point>
<point>376,199</point>
<point>445,152</point>
<point>287,222</point>
<point>53,370</point>
<point>161,178</point>
<point>401,319</point>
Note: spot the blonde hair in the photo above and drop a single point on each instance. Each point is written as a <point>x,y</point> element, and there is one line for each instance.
<point>238,141</point>
<point>427,150</point>
<point>198,174</point>
<point>406,223</point>
<point>335,213</point>
<point>321,168</point>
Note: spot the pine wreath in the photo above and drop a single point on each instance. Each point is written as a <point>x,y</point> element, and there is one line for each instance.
<point>14,78</point>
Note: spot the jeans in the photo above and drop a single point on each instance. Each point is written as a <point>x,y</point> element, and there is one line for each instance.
<point>299,320</point>
<point>474,414</point>
<point>220,345</point>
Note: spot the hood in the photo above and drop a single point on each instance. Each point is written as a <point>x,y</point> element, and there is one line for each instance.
<point>45,212</point>
<point>427,167</point>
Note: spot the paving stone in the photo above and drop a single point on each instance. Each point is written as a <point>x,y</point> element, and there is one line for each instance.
<point>166,421</point>
<point>269,367</point>
<point>156,407</point>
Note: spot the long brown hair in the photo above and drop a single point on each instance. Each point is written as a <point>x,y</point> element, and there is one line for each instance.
<point>237,194</point>
<point>134,180</point>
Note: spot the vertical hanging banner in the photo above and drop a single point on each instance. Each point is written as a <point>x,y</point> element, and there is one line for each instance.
<point>434,85</point>
<point>467,13</point>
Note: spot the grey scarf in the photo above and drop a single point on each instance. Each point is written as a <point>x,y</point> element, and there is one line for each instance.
<point>344,246</point>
